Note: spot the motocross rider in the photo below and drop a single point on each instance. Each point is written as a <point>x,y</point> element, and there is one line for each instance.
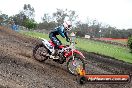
<point>60,30</point>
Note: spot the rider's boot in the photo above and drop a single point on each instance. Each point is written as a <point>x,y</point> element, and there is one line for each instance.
<point>56,54</point>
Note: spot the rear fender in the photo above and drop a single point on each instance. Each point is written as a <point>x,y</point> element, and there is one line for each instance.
<point>48,45</point>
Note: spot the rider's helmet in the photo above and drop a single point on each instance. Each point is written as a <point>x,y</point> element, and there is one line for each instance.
<point>67,25</point>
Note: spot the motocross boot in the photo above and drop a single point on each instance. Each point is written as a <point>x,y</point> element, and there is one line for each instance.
<point>56,53</point>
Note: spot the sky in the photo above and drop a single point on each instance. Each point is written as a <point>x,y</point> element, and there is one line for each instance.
<point>117,13</point>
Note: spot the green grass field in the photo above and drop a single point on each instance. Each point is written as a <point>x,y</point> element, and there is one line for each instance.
<point>118,52</point>
<point>123,41</point>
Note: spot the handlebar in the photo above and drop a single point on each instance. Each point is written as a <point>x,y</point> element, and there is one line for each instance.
<point>73,42</point>
<point>68,47</point>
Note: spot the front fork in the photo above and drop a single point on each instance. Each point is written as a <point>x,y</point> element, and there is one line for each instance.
<point>72,51</point>
<point>72,54</point>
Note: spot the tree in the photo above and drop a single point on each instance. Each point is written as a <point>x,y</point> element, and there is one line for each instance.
<point>91,28</point>
<point>25,17</point>
<point>95,27</point>
<point>47,18</point>
<point>72,15</point>
<point>28,11</point>
<point>129,43</point>
<point>30,24</point>
<point>47,22</point>
<point>3,19</point>
<point>57,18</point>
<point>19,18</point>
<point>46,25</point>
<point>81,29</point>
<point>61,15</point>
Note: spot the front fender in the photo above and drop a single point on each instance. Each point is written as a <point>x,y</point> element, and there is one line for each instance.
<point>78,52</point>
<point>74,51</point>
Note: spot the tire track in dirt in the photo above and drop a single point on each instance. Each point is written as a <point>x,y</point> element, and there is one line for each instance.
<point>19,70</point>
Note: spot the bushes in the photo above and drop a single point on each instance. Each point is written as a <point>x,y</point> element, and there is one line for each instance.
<point>129,43</point>
<point>30,24</point>
<point>80,34</point>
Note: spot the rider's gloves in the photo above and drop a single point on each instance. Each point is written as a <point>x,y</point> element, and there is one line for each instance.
<point>68,39</point>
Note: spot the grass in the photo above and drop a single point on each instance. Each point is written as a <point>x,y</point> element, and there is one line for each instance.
<point>123,41</point>
<point>118,52</point>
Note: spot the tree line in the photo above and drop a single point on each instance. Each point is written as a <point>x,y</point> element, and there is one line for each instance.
<point>92,27</point>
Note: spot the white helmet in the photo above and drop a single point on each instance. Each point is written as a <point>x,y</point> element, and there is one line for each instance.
<point>67,25</point>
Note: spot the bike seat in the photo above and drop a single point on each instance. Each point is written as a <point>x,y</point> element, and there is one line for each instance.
<point>61,46</point>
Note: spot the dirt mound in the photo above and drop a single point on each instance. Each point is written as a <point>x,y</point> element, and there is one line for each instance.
<point>8,33</point>
<point>19,70</point>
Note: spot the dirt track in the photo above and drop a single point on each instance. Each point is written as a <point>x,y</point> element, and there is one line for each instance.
<point>19,70</point>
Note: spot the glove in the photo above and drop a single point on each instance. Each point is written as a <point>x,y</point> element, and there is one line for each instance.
<point>68,39</point>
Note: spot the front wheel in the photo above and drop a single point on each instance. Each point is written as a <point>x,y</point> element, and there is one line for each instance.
<point>72,65</point>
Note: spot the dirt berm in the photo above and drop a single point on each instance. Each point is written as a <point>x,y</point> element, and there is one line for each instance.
<point>18,69</point>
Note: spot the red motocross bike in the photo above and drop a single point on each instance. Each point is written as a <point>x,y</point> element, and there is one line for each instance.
<point>66,53</point>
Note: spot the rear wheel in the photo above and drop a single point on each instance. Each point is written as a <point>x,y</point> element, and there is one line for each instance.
<point>72,65</point>
<point>40,52</point>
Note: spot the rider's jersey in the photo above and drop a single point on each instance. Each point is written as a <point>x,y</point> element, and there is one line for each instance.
<point>59,31</point>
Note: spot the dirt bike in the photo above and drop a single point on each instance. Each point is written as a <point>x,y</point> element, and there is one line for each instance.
<point>66,53</point>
